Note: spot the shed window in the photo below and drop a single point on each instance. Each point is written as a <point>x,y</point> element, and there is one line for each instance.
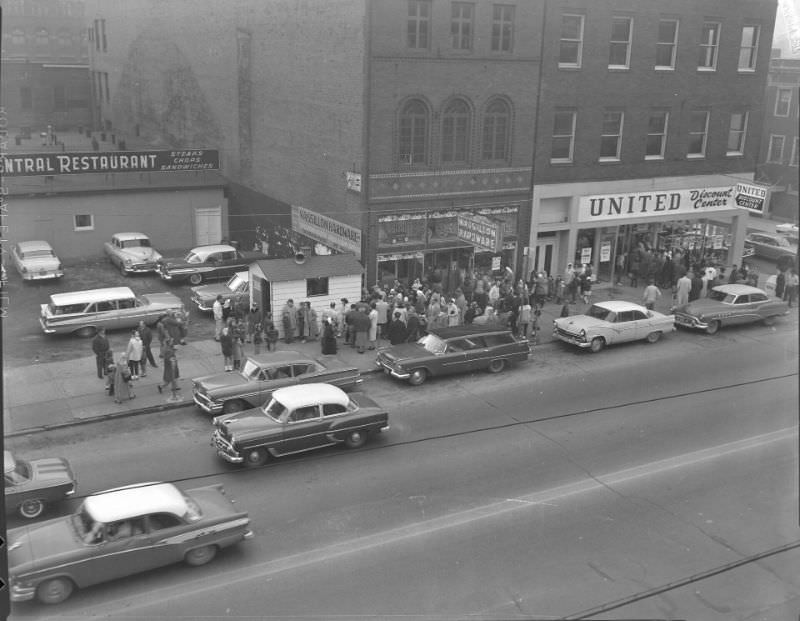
<point>317,286</point>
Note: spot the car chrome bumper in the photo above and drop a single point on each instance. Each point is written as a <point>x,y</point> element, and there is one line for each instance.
<point>208,406</point>
<point>45,329</point>
<point>571,339</point>
<point>225,450</point>
<point>141,268</point>
<point>688,321</point>
<point>42,275</point>
<point>22,593</point>
<point>393,372</point>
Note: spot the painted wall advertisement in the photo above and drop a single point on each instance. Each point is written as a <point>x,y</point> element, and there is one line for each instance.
<point>38,164</point>
<point>337,235</point>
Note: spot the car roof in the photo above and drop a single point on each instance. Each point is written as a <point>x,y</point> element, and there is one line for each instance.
<point>212,248</point>
<point>737,289</point>
<point>91,295</point>
<point>278,357</point>
<point>127,236</point>
<point>465,330</point>
<point>34,245</point>
<point>303,395</point>
<point>617,306</point>
<point>9,463</point>
<point>140,499</point>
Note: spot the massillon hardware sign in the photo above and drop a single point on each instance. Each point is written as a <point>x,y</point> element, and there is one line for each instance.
<point>673,203</point>
<point>484,233</point>
<point>325,230</point>
<point>33,164</point>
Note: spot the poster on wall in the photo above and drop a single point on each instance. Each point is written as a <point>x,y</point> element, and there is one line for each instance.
<point>586,255</point>
<point>605,252</point>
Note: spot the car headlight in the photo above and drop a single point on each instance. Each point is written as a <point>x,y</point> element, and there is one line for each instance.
<point>24,270</point>
<point>582,334</point>
<point>128,261</point>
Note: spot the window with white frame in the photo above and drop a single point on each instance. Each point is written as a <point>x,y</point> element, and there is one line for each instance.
<point>709,47</point>
<point>775,153</point>
<point>561,151</point>
<point>793,161</point>
<point>667,44</point>
<point>571,45</point>
<point>737,132</point>
<point>413,139</point>
<point>611,136</point>
<point>502,27</point>
<point>455,132</point>
<point>698,133</point>
<point>748,48</point>
<point>656,135</point>
<point>496,131</point>
<point>619,55</point>
<point>83,222</point>
<point>418,32</point>
<point>783,102</point>
<point>461,24</point>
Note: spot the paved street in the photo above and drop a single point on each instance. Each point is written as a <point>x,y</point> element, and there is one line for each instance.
<point>620,472</point>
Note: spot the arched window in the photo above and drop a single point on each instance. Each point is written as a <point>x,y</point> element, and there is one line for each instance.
<point>413,133</point>
<point>455,132</point>
<point>496,131</point>
<point>42,38</point>
<point>18,37</point>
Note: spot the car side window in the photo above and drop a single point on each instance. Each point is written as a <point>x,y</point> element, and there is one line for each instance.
<point>280,372</point>
<point>622,317</point>
<point>493,340</point>
<point>213,258</point>
<point>637,314</point>
<point>160,521</point>
<point>124,529</point>
<point>103,307</point>
<point>127,303</point>
<point>758,297</point>
<point>309,412</point>
<point>301,369</point>
<point>228,256</point>
<point>742,299</point>
<point>456,345</point>
<point>329,409</point>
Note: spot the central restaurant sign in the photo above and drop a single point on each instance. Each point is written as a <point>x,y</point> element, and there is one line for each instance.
<point>486,234</point>
<point>45,164</point>
<point>673,203</point>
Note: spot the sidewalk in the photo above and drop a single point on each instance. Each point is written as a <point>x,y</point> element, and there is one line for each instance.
<point>56,394</point>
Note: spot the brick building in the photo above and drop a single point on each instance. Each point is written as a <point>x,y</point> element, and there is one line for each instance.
<point>44,65</point>
<point>778,159</point>
<point>412,131</point>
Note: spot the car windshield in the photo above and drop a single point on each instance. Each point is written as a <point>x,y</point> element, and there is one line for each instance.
<point>234,282</point>
<point>598,312</point>
<point>432,343</point>
<point>193,258</point>
<point>135,243</point>
<point>19,474</point>
<point>720,296</point>
<point>275,410</point>
<point>251,369</point>
<point>34,254</point>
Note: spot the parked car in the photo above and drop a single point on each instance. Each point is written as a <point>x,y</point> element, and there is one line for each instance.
<point>459,349</point>
<point>236,290</point>
<point>612,322</point>
<point>118,533</point>
<point>262,374</point>
<point>297,419</point>
<point>730,305</point>
<point>32,485</point>
<point>132,252</point>
<point>207,263</point>
<point>36,260</point>
<point>772,247</point>
<point>113,308</point>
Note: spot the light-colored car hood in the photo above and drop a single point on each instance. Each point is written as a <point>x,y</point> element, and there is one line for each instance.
<point>41,545</point>
<point>140,253</point>
<point>580,322</point>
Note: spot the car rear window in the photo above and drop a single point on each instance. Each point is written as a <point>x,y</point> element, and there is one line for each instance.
<point>502,338</point>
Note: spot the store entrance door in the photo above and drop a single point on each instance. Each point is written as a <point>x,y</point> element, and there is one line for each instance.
<point>543,255</point>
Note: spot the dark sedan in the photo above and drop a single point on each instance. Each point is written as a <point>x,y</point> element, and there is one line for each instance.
<point>460,349</point>
<point>205,263</point>
<point>32,485</point>
<point>728,305</point>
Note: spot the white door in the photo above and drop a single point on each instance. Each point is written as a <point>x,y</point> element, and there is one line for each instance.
<point>208,225</point>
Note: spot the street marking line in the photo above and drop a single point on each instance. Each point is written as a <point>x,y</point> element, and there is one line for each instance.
<point>263,570</point>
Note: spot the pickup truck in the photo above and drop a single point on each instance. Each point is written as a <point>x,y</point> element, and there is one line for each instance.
<point>203,263</point>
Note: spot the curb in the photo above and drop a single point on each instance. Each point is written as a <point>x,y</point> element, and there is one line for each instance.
<point>163,408</point>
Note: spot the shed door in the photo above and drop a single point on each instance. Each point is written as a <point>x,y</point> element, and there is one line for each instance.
<point>208,225</point>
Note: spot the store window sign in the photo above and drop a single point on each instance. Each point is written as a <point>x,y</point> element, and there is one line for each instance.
<point>586,255</point>
<point>484,233</point>
<point>605,252</point>
<point>673,203</point>
<point>353,181</point>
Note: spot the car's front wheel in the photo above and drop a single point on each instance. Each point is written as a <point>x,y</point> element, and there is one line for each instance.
<point>255,457</point>
<point>597,344</point>
<point>355,439</point>
<point>54,591</point>
<point>200,556</point>
<point>497,365</point>
<point>417,377</point>
<point>31,508</point>
<point>713,327</point>
<point>196,279</point>
<point>653,337</point>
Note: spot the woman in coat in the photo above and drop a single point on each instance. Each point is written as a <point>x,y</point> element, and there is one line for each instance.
<point>226,345</point>
<point>171,372</point>
<point>122,380</point>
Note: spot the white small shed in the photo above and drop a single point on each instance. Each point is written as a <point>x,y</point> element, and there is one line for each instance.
<point>316,279</point>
